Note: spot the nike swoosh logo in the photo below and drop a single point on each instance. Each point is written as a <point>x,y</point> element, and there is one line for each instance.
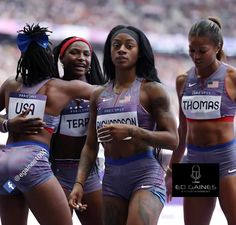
<point>127,138</point>
<point>191,85</point>
<point>107,99</point>
<point>232,171</point>
<point>146,186</point>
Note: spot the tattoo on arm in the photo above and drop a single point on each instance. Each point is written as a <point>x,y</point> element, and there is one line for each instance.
<point>161,104</point>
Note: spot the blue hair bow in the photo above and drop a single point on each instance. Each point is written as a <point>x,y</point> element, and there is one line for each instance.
<point>23,41</point>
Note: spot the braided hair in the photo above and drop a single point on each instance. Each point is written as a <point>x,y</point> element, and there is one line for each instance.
<point>145,66</point>
<point>36,62</point>
<point>94,76</point>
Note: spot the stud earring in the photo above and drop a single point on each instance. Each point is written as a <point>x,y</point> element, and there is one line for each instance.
<point>89,70</point>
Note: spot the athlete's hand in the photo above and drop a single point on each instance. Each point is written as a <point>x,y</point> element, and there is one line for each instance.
<point>75,198</point>
<point>114,132</point>
<point>21,124</point>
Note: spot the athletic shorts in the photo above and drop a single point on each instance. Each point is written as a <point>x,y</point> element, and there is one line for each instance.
<point>23,165</point>
<point>223,154</point>
<point>66,171</point>
<point>123,177</point>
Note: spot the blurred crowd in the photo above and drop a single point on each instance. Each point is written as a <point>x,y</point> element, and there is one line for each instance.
<point>161,16</point>
<point>157,16</point>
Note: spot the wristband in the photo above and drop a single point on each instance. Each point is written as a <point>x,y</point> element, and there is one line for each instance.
<point>77,182</point>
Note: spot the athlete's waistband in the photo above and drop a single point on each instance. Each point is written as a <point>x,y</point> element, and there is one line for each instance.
<point>222,119</point>
<point>141,155</point>
<point>23,143</point>
<point>210,148</point>
<point>49,130</point>
<point>66,162</point>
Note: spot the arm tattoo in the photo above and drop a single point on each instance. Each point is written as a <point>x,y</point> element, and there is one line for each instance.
<point>161,104</point>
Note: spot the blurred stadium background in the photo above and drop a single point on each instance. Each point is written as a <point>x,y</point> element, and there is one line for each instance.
<point>166,23</point>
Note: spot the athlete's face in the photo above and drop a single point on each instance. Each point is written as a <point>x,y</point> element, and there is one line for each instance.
<point>202,51</point>
<point>124,51</point>
<point>77,60</point>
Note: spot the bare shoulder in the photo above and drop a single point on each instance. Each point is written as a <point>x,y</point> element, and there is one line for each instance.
<point>56,82</point>
<point>153,92</point>
<point>231,73</point>
<point>150,87</point>
<point>230,82</point>
<point>11,81</point>
<point>94,99</point>
<point>11,84</point>
<point>8,86</point>
<point>63,85</point>
<point>155,97</point>
<point>180,79</point>
<point>180,82</point>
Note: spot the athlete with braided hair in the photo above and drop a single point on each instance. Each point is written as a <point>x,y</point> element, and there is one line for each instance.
<point>26,178</point>
<point>79,63</point>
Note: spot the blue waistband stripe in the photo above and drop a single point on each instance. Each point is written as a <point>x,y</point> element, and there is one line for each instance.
<point>23,143</point>
<point>141,155</point>
<point>210,148</point>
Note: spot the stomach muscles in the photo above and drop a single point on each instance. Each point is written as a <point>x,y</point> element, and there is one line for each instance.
<point>209,133</point>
